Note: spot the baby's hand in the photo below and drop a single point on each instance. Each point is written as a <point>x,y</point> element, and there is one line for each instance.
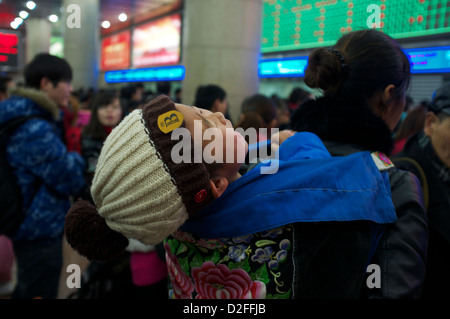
<point>279,138</point>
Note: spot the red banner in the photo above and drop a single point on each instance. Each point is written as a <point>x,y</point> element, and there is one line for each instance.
<point>157,42</point>
<point>8,49</point>
<point>115,52</point>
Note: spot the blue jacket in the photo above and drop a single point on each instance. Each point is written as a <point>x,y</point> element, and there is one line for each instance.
<point>300,189</point>
<point>306,231</point>
<point>46,172</point>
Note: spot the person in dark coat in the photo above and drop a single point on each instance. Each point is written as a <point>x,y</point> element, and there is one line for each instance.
<point>106,114</point>
<point>364,77</point>
<point>427,155</point>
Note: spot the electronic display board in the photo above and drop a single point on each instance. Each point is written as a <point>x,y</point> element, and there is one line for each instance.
<point>429,60</point>
<point>157,42</point>
<point>283,67</point>
<point>423,60</point>
<point>303,24</point>
<point>115,51</point>
<point>163,73</point>
<point>9,52</point>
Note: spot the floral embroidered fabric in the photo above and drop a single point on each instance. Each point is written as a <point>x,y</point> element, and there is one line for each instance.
<point>255,266</point>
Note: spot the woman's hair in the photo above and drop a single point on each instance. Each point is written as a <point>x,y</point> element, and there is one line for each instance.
<point>94,128</point>
<point>207,94</point>
<point>413,123</point>
<point>299,96</point>
<point>258,111</point>
<point>360,64</point>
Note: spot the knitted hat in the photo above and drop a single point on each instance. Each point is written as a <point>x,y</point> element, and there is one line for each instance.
<point>138,190</point>
<point>441,99</point>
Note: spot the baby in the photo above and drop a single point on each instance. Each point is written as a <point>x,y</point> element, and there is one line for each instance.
<point>150,186</point>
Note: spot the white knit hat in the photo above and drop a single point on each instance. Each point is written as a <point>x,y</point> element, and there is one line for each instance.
<point>138,190</point>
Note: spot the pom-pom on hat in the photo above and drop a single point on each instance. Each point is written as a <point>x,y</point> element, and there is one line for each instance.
<point>138,190</point>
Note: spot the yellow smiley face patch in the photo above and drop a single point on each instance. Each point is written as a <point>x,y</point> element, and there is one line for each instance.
<point>170,121</point>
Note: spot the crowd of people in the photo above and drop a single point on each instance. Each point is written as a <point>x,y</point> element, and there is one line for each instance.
<point>108,195</point>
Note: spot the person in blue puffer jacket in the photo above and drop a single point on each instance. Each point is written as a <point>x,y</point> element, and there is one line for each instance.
<point>46,172</point>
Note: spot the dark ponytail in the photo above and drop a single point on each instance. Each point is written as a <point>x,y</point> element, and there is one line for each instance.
<point>359,65</point>
<point>89,235</point>
<point>325,71</point>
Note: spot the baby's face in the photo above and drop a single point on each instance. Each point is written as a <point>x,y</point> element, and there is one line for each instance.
<point>220,142</point>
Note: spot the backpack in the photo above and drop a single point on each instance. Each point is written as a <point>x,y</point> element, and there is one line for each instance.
<point>12,211</point>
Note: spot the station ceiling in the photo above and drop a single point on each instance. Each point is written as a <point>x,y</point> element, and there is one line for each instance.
<point>136,10</point>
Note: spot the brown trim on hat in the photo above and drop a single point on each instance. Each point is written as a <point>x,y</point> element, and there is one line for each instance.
<point>192,179</point>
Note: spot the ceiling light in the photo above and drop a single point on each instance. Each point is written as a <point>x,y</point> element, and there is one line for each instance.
<point>14,25</point>
<point>18,21</point>
<point>106,24</point>
<point>31,5</point>
<point>123,17</point>
<point>23,14</point>
<point>53,18</point>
